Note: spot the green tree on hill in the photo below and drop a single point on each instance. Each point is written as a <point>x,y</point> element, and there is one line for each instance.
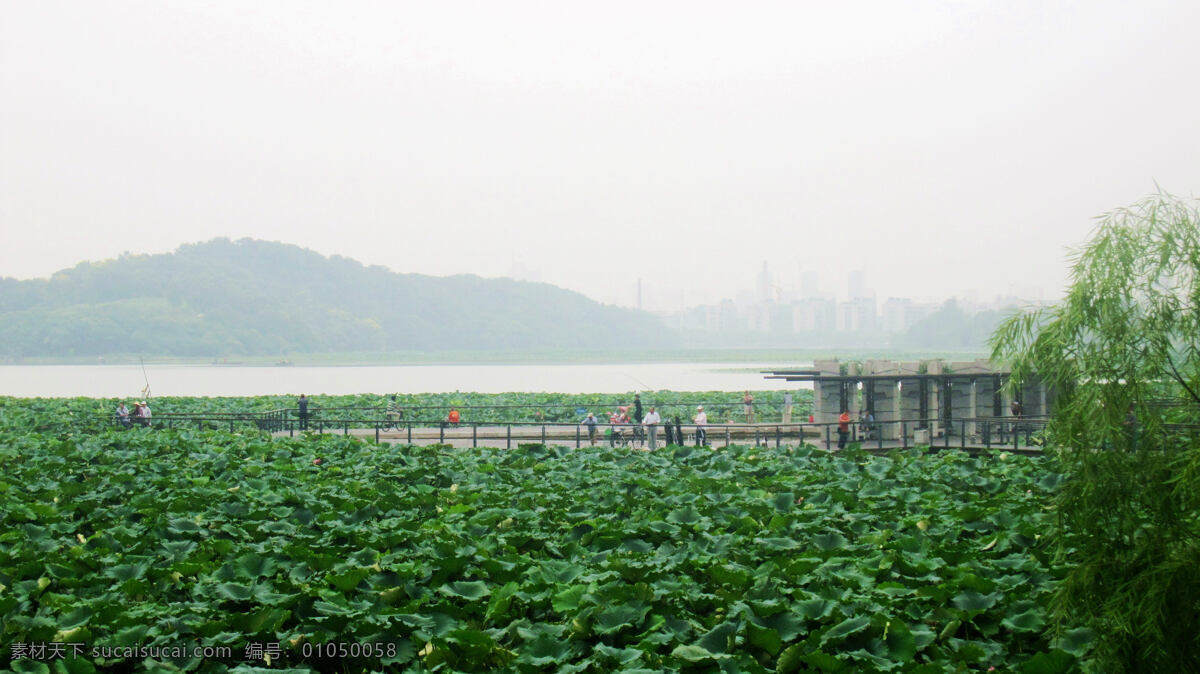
<point>1122,353</point>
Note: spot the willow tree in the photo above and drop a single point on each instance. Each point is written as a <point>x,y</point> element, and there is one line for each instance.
<point>1121,353</point>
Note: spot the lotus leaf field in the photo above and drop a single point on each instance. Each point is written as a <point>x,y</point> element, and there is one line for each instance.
<point>332,554</point>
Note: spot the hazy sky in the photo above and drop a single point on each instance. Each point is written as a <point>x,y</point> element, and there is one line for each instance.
<point>943,147</point>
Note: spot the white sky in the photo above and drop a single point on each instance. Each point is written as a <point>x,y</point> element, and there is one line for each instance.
<point>944,147</point>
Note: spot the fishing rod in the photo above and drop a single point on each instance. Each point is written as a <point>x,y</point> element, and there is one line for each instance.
<point>641,383</point>
<point>146,390</point>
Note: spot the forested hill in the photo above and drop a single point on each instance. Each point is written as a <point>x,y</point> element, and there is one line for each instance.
<point>260,298</point>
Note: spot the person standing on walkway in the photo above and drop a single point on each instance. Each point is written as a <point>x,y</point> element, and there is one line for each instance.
<point>590,423</point>
<point>651,422</point>
<point>701,421</point>
<point>637,419</point>
<point>1018,410</point>
<point>787,407</point>
<point>843,429</point>
<point>302,409</point>
<point>748,402</point>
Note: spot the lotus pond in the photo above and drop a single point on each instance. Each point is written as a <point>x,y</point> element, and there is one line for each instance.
<point>330,554</point>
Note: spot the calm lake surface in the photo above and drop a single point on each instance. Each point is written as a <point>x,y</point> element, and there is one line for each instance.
<point>104,381</point>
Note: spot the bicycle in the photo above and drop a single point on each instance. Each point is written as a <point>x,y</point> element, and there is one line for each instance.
<point>393,420</point>
<point>616,438</point>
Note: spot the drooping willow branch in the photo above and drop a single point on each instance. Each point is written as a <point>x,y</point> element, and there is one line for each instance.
<point>1179,378</point>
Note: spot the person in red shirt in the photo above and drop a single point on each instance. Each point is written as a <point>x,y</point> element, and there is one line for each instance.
<point>843,428</point>
<point>453,417</point>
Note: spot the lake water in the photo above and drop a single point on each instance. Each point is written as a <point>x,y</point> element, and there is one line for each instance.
<point>105,381</point>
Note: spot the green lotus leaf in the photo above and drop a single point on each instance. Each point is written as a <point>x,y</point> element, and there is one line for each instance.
<point>569,599</point>
<point>846,628</point>
<point>815,609</point>
<point>685,516</point>
<point>971,600</point>
<point>255,566</point>
<point>234,591</point>
<point>613,618</point>
<point>718,639</point>
<point>694,653</point>
<point>471,590</point>
<point>622,656</point>
<point>829,541</point>
<point>1075,641</point>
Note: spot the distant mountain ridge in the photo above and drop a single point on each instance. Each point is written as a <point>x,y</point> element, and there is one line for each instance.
<point>251,297</point>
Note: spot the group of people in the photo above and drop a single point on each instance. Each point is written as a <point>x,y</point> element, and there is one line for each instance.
<point>645,426</point>
<point>139,415</point>
<point>864,429</point>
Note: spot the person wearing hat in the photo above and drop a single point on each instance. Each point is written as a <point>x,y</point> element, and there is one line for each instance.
<point>701,420</point>
<point>143,414</point>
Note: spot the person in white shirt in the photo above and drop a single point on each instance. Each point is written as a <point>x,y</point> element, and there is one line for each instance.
<point>701,420</point>
<point>143,414</point>
<point>651,422</point>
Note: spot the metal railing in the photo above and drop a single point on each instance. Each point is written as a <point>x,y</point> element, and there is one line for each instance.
<point>977,433</point>
<point>1025,434</point>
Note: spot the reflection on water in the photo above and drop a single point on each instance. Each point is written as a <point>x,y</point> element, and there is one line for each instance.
<point>207,380</point>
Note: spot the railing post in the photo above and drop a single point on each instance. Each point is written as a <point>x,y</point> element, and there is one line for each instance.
<point>410,432</point>
<point>1016,436</point>
<point>475,434</point>
<point>347,428</point>
<point>577,429</point>
<point>904,433</point>
<point>508,434</point>
<point>778,437</point>
<point>946,434</point>
<point>756,441</point>
<point>199,425</point>
<point>726,436</point>
<point>377,432</point>
<point>543,434</point>
<point>231,425</point>
<point>442,433</point>
<point>827,447</point>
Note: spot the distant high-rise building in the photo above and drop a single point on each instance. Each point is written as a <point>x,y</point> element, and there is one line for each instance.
<point>856,285</point>
<point>813,315</point>
<point>810,285</point>
<point>897,315</point>
<point>764,284</point>
<point>856,316</point>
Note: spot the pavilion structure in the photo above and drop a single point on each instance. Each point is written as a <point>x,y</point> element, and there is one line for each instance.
<point>934,396</point>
